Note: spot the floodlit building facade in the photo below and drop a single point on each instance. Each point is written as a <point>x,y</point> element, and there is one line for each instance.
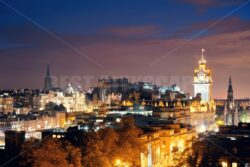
<point>203,80</point>
<point>202,107</point>
<point>74,102</point>
<point>58,120</point>
<point>6,104</point>
<point>162,144</point>
<point>203,100</point>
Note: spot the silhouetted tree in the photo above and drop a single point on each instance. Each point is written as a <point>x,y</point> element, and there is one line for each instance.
<point>104,147</point>
<point>50,153</point>
<point>128,144</point>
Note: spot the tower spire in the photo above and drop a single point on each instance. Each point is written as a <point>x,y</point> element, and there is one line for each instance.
<point>230,86</point>
<point>202,55</point>
<point>47,81</point>
<point>48,71</point>
<point>202,61</point>
<point>230,96</point>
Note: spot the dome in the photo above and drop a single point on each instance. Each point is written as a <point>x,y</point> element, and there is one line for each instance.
<point>69,89</point>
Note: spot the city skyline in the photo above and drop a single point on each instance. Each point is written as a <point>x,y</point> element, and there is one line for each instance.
<point>132,83</point>
<point>132,39</point>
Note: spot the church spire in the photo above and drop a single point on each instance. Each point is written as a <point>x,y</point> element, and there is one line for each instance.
<point>48,71</point>
<point>230,86</point>
<point>230,97</point>
<point>47,81</point>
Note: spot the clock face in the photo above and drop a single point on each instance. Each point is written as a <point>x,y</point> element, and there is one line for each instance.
<point>201,76</point>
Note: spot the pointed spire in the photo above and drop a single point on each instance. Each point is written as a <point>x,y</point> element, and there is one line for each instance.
<point>202,53</point>
<point>48,71</point>
<point>230,86</point>
<point>48,81</point>
<point>230,95</point>
<point>202,56</point>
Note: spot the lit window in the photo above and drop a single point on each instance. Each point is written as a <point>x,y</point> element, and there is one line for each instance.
<point>224,164</point>
<point>234,164</point>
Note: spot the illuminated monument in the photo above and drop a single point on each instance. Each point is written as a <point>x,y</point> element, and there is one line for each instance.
<point>202,105</point>
<point>203,80</point>
<point>231,115</point>
<point>202,101</point>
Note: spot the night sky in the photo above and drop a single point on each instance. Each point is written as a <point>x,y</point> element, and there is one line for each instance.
<point>136,38</point>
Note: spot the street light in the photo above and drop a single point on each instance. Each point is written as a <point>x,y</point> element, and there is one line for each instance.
<point>119,163</point>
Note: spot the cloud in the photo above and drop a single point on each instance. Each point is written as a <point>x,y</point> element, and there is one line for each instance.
<point>231,24</point>
<point>213,3</point>
<point>227,52</point>
<point>132,31</point>
<point>202,6</point>
<point>27,35</point>
<point>200,2</point>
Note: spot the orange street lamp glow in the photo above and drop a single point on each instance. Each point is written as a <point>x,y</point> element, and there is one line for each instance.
<point>118,162</point>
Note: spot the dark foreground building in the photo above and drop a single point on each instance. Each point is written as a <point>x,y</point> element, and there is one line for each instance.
<point>230,146</point>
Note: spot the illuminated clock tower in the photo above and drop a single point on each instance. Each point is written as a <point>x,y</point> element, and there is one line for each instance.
<point>203,80</point>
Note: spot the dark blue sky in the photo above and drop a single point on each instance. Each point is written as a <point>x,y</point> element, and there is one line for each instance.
<point>119,34</point>
<point>91,16</point>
